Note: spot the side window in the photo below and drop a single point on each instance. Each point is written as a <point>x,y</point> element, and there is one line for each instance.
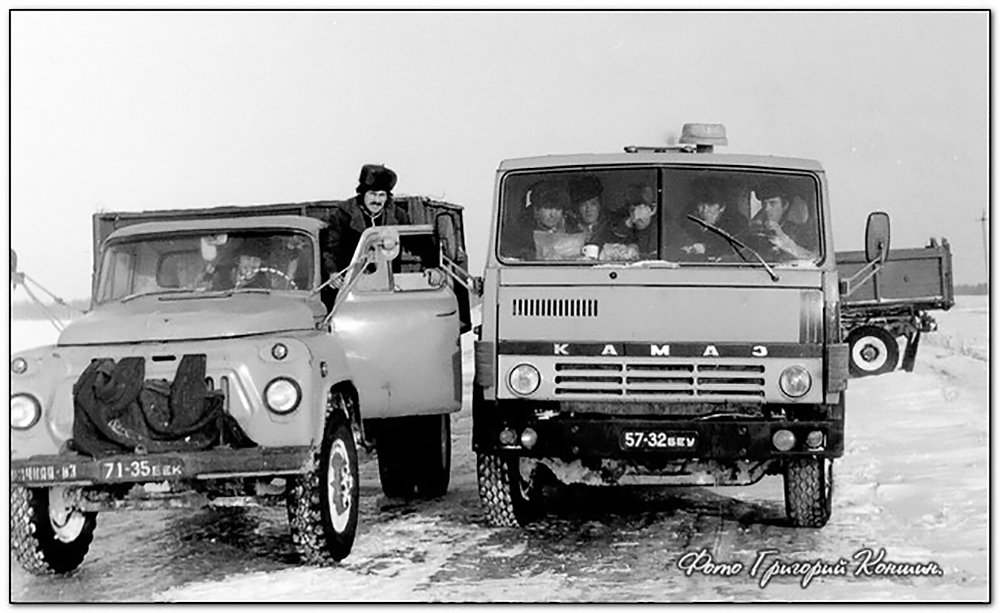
<point>117,275</point>
<point>417,253</point>
<point>418,264</point>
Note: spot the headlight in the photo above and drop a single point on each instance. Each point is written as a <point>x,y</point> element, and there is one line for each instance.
<point>18,366</point>
<point>24,411</point>
<point>524,379</point>
<point>795,381</point>
<point>282,395</point>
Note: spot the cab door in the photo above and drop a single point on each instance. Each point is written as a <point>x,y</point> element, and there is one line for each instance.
<point>399,325</point>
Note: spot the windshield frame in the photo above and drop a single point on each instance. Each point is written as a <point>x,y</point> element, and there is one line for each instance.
<point>662,170</point>
<point>109,244</point>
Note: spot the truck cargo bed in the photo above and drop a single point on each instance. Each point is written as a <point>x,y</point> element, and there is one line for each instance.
<point>916,278</point>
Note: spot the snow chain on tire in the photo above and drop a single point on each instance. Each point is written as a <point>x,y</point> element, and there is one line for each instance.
<point>33,541</point>
<point>306,498</point>
<point>808,492</point>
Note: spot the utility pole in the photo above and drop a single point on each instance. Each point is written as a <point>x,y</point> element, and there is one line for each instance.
<point>986,246</point>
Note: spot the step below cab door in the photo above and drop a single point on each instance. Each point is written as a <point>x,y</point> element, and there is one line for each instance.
<point>398,322</point>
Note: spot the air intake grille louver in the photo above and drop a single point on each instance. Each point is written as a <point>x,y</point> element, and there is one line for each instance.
<point>554,307</point>
<point>735,381</point>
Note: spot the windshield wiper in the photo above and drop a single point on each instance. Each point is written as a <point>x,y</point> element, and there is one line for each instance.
<point>734,243</point>
<point>249,290</point>
<point>174,290</point>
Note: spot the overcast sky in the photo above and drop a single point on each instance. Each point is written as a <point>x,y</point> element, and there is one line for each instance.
<point>147,110</point>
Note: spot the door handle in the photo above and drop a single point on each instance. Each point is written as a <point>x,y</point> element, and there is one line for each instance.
<point>448,314</point>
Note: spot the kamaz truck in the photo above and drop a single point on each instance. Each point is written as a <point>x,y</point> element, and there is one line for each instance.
<point>654,343</point>
<point>209,371</point>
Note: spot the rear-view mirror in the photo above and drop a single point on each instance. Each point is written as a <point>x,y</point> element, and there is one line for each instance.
<point>388,243</point>
<point>444,226</point>
<point>877,237</point>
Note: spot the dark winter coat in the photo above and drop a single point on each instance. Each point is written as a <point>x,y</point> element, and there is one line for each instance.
<point>344,228</point>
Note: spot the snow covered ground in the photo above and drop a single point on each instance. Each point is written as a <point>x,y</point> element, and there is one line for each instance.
<point>913,480</point>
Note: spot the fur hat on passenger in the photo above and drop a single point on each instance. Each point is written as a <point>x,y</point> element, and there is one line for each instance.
<point>547,194</point>
<point>376,177</point>
<point>582,189</point>
<point>639,193</point>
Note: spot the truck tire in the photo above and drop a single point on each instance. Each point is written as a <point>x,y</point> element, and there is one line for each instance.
<point>323,503</point>
<point>808,491</point>
<point>395,465</point>
<point>45,539</point>
<point>434,456</point>
<point>396,449</point>
<point>873,351</point>
<point>414,456</point>
<point>503,492</point>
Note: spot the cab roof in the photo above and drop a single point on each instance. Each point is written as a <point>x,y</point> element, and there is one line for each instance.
<point>269,222</point>
<point>661,157</point>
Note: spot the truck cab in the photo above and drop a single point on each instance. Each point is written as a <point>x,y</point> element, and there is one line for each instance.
<point>686,334</point>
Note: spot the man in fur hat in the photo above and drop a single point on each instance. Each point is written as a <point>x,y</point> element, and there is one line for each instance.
<point>372,206</point>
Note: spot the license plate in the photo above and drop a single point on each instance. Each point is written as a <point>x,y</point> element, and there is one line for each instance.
<point>132,470</point>
<point>658,440</point>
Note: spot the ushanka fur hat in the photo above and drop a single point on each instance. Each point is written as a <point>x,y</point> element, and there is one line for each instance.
<point>375,177</point>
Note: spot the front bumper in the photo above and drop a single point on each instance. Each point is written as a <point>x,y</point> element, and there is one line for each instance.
<point>605,437</point>
<point>79,470</point>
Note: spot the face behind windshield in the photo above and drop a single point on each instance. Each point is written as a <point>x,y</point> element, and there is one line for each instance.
<point>275,260</point>
<point>672,214</point>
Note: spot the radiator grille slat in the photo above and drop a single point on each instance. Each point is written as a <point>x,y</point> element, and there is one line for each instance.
<point>674,380</point>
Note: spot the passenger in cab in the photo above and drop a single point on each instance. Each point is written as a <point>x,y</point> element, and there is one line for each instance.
<point>238,266</point>
<point>774,225</point>
<point>700,243</point>
<point>800,227</point>
<point>586,193</point>
<point>637,236</point>
<point>552,239</point>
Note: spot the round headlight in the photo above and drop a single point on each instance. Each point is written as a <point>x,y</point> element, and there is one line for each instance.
<point>18,366</point>
<point>279,351</point>
<point>524,379</point>
<point>282,395</point>
<point>24,411</point>
<point>795,381</point>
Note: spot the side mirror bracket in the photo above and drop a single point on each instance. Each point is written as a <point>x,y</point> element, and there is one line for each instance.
<point>876,252</point>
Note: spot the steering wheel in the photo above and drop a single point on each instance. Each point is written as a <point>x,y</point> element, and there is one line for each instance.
<point>289,282</point>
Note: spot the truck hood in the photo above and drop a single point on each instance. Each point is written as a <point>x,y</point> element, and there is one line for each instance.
<point>187,317</point>
<point>662,314</point>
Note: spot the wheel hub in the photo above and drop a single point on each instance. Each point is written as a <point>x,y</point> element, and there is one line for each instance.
<point>340,484</point>
<point>869,353</point>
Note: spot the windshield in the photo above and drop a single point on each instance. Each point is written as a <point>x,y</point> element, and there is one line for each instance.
<point>262,260</point>
<point>637,214</point>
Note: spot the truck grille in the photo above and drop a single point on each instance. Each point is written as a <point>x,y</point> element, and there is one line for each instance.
<point>554,307</point>
<point>677,380</point>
